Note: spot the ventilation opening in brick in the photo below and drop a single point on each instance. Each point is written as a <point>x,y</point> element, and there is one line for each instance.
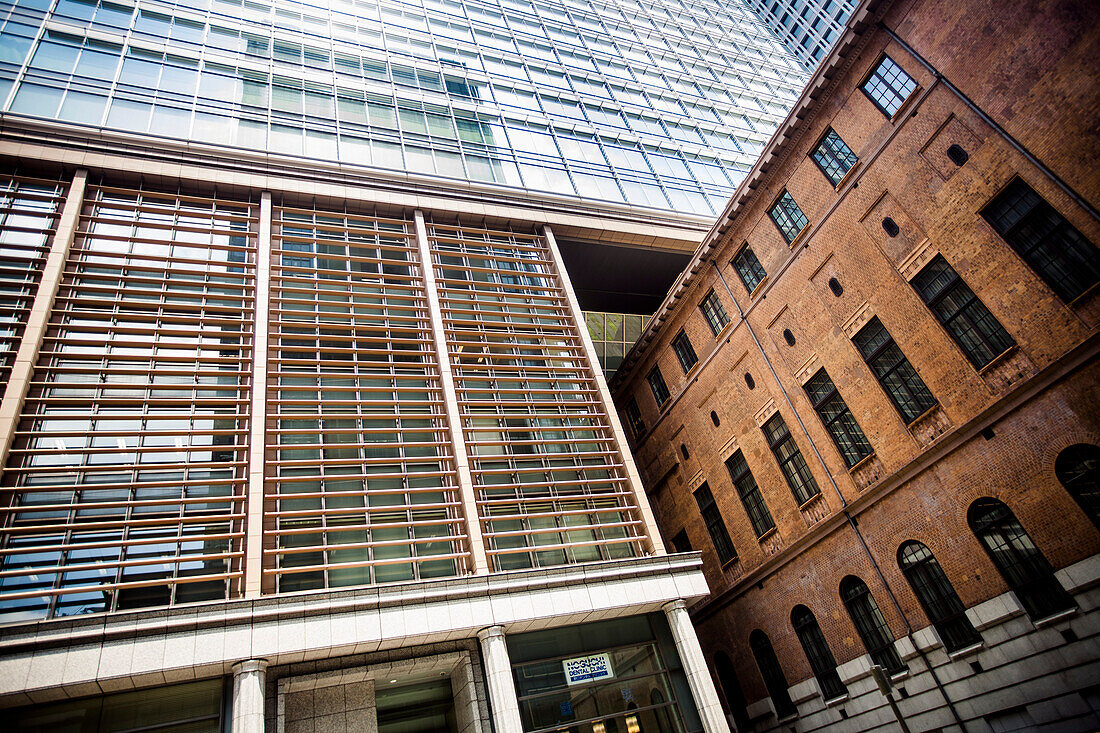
<point>836,287</point>
<point>890,227</point>
<point>957,155</point>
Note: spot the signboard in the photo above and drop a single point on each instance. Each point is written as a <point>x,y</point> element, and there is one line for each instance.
<point>587,669</point>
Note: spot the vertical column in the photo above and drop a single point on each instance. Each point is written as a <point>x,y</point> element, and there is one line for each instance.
<point>450,399</point>
<point>498,677</point>
<point>23,367</point>
<point>695,666</point>
<point>254,521</point>
<point>635,480</point>
<point>248,696</point>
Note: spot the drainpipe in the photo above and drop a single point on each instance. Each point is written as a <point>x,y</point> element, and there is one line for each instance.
<point>843,503</point>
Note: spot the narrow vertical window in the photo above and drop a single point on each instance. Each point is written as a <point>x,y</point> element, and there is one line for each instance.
<point>790,459</point>
<point>657,384</point>
<point>774,679</point>
<point>966,319</point>
<point>870,624</point>
<point>833,157</point>
<point>719,535</point>
<point>1058,253</point>
<point>788,217</point>
<point>749,268</point>
<point>1018,560</point>
<point>937,596</point>
<point>838,419</point>
<point>681,542</point>
<point>893,371</point>
<point>685,353</point>
<point>888,86</point>
<point>817,652</point>
<point>749,491</point>
<point>1078,469</point>
<point>634,418</point>
<point>714,312</point>
<point>731,686</point>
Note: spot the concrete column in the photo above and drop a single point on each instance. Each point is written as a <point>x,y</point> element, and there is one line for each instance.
<point>450,402</point>
<point>498,678</point>
<point>248,696</point>
<point>695,666</point>
<point>656,544</point>
<point>25,357</point>
<point>257,433</point>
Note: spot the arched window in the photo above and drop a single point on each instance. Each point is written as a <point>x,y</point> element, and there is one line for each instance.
<point>1017,558</point>
<point>774,679</point>
<point>817,651</point>
<point>870,624</point>
<point>937,596</point>
<point>731,686</point>
<point>1078,468</point>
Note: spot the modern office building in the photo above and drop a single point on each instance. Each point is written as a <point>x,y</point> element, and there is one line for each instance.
<point>808,28</point>
<point>301,429</point>
<point>871,399</point>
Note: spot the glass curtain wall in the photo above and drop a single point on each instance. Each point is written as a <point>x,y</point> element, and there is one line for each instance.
<point>129,463</point>
<point>551,484</point>
<point>362,487</point>
<point>664,104</point>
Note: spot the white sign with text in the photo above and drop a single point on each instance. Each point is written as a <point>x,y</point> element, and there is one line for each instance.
<point>587,669</point>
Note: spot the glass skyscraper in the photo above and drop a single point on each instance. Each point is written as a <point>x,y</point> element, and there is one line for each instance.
<point>662,104</point>
<point>809,28</point>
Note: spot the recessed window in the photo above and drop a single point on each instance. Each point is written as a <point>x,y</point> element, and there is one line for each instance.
<point>890,227</point>
<point>681,542</point>
<point>714,313</point>
<point>1058,253</point>
<point>937,596</point>
<point>731,686</point>
<point>772,673</point>
<point>788,217</point>
<point>714,418</point>
<point>634,418</point>
<point>657,384</point>
<point>870,624</point>
<point>749,381</point>
<point>788,336</point>
<point>749,268</point>
<point>837,418</point>
<point>791,463</point>
<point>821,659</point>
<point>966,319</point>
<point>719,535</point>
<point>833,157</point>
<point>1078,469</point>
<point>957,155</point>
<point>759,516</point>
<point>888,86</point>
<point>898,378</point>
<point>684,451</point>
<point>836,287</point>
<point>684,351</point>
<point>1018,560</point>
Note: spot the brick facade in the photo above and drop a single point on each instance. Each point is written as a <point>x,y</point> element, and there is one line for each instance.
<point>994,432</point>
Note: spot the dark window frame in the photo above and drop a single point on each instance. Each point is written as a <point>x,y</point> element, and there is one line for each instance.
<point>937,596</point>
<point>831,159</point>
<point>634,417</point>
<point>680,541</point>
<point>902,384</point>
<point>716,526</point>
<point>1018,559</point>
<point>970,319</point>
<point>749,492</point>
<point>787,209</point>
<point>658,386</point>
<point>1062,257</point>
<point>817,651</point>
<point>1077,468</point>
<point>837,418</point>
<point>748,268</point>
<point>792,465</point>
<point>714,312</point>
<point>771,671</point>
<point>870,624</point>
<point>685,352</point>
<point>886,83</point>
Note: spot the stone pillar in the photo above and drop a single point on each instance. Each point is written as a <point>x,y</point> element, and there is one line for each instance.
<point>498,678</point>
<point>695,666</point>
<point>248,695</point>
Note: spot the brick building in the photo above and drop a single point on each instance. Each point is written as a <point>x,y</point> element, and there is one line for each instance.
<point>871,399</point>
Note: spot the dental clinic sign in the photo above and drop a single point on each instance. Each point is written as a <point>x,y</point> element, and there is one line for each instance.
<point>587,669</point>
